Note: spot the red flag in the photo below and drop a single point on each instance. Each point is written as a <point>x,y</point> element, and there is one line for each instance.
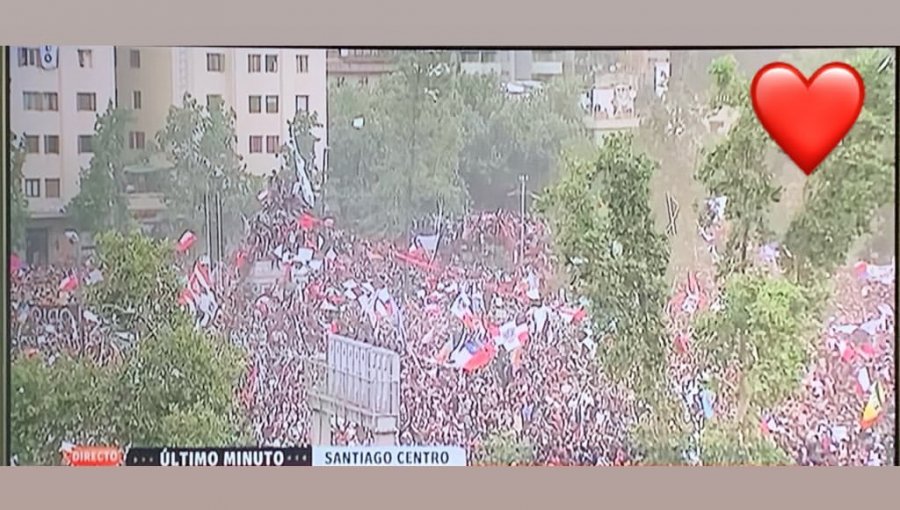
<point>68,284</point>
<point>307,221</point>
<point>186,241</point>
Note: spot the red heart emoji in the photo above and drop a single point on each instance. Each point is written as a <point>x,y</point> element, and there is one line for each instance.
<point>807,118</point>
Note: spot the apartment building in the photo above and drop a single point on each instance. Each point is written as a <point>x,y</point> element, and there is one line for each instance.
<point>264,86</point>
<point>56,93</point>
<point>365,66</point>
<point>359,66</point>
<point>519,65</point>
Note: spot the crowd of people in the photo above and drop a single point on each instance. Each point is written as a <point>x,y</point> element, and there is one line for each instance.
<point>551,397</point>
<point>456,284</point>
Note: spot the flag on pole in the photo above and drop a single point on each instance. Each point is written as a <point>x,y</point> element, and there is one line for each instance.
<point>186,241</point>
<point>874,407</point>
<point>303,186</point>
<point>472,355</point>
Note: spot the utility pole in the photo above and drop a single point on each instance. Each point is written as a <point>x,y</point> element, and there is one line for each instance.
<point>522,215</point>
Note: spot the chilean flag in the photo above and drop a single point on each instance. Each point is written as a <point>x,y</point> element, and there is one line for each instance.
<point>472,355</point>
<point>186,241</point>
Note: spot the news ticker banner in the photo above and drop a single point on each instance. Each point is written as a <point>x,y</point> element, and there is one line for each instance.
<point>324,456</point>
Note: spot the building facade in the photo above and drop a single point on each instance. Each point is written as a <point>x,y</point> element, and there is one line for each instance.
<point>359,66</point>
<point>56,94</point>
<point>365,66</point>
<point>265,87</point>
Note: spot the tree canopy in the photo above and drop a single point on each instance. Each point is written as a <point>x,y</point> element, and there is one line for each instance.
<point>431,134</point>
<point>859,175</point>
<point>101,203</point>
<point>604,234</point>
<point>174,385</point>
<point>18,204</point>
<point>201,143</point>
<point>737,168</point>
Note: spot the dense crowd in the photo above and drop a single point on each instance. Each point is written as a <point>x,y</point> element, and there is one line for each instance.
<point>551,397</point>
<point>549,394</point>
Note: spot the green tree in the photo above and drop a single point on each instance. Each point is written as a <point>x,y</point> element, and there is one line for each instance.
<point>101,203</point>
<point>177,388</point>
<point>410,160</point>
<point>736,168</point>
<point>140,286</point>
<point>844,195</point>
<point>201,142</point>
<point>69,400</point>
<point>505,449</point>
<point>726,443</point>
<point>354,148</point>
<point>764,335</point>
<point>174,386</point>
<point>511,136</point>
<point>605,235</point>
<point>18,204</point>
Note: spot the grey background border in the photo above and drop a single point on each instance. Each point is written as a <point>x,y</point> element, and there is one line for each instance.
<point>457,23</point>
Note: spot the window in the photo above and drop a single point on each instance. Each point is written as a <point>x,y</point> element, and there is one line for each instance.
<point>85,59</point>
<point>137,101</point>
<point>86,102</point>
<point>214,99</point>
<point>32,144</point>
<point>271,104</point>
<point>32,101</point>
<point>51,186</point>
<point>215,62</point>
<point>136,140</point>
<point>32,188</point>
<point>302,63</point>
<point>254,63</point>
<point>271,63</point>
<point>470,56</point>
<point>51,144</point>
<point>255,144</point>
<point>272,144</point>
<point>301,103</point>
<point>488,56</point>
<point>29,57</point>
<point>135,59</point>
<point>547,56</point>
<point>41,101</point>
<point>85,144</point>
<point>255,104</point>
<point>51,101</point>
